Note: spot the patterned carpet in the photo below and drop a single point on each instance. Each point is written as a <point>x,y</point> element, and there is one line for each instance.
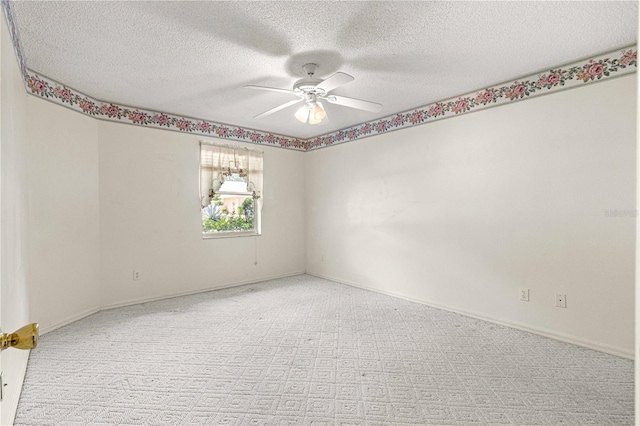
<point>306,351</point>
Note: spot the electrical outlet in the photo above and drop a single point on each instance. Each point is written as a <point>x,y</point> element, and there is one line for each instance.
<point>524,294</point>
<point>136,275</point>
<point>561,300</point>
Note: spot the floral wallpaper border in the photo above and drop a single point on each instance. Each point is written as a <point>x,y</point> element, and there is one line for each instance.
<point>70,98</point>
<point>601,67</point>
<point>612,64</point>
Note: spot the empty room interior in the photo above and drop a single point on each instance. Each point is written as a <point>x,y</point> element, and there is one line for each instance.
<point>318,213</point>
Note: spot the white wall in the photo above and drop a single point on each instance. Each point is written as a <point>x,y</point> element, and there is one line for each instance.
<point>64,225</point>
<point>14,261</point>
<point>460,213</point>
<point>150,218</point>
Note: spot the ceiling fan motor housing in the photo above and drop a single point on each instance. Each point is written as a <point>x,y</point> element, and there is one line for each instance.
<point>308,85</point>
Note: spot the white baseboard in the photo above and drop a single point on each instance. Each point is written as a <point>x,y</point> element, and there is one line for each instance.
<point>613,350</point>
<point>187,293</point>
<point>10,404</point>
<point>49,328</point>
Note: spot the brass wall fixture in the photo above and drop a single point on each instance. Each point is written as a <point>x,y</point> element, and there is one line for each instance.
<point>24,338</point>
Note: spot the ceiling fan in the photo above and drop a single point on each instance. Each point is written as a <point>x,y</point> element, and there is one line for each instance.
<point>311,90</point>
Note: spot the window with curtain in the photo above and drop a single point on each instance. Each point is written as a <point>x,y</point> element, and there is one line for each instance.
<point>230,190</point>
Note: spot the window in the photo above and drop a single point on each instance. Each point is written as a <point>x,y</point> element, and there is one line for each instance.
<point>230,190</point>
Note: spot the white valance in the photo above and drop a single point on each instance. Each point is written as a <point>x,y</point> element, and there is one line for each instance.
<point>220,163</point>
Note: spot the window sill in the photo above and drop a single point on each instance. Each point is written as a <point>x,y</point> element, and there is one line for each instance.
<point>216,235</point>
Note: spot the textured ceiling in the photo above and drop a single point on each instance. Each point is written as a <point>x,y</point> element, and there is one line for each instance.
<point>192,58</point>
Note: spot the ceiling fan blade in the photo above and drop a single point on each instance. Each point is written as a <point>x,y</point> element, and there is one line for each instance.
<point>336,80</point>
<point>278,108</point>
<point>354,103</point>
<point>271,89</point>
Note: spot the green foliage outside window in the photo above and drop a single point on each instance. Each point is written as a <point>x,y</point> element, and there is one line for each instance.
<point>218,219</point>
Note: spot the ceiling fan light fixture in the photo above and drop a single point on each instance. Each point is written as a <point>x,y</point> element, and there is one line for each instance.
<point>317,113</point>
<point>313,120</point>
<point>302,114</point>
<point>311,112</point>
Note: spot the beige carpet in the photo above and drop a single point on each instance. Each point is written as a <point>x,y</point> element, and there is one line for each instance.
<point>306,351</point>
